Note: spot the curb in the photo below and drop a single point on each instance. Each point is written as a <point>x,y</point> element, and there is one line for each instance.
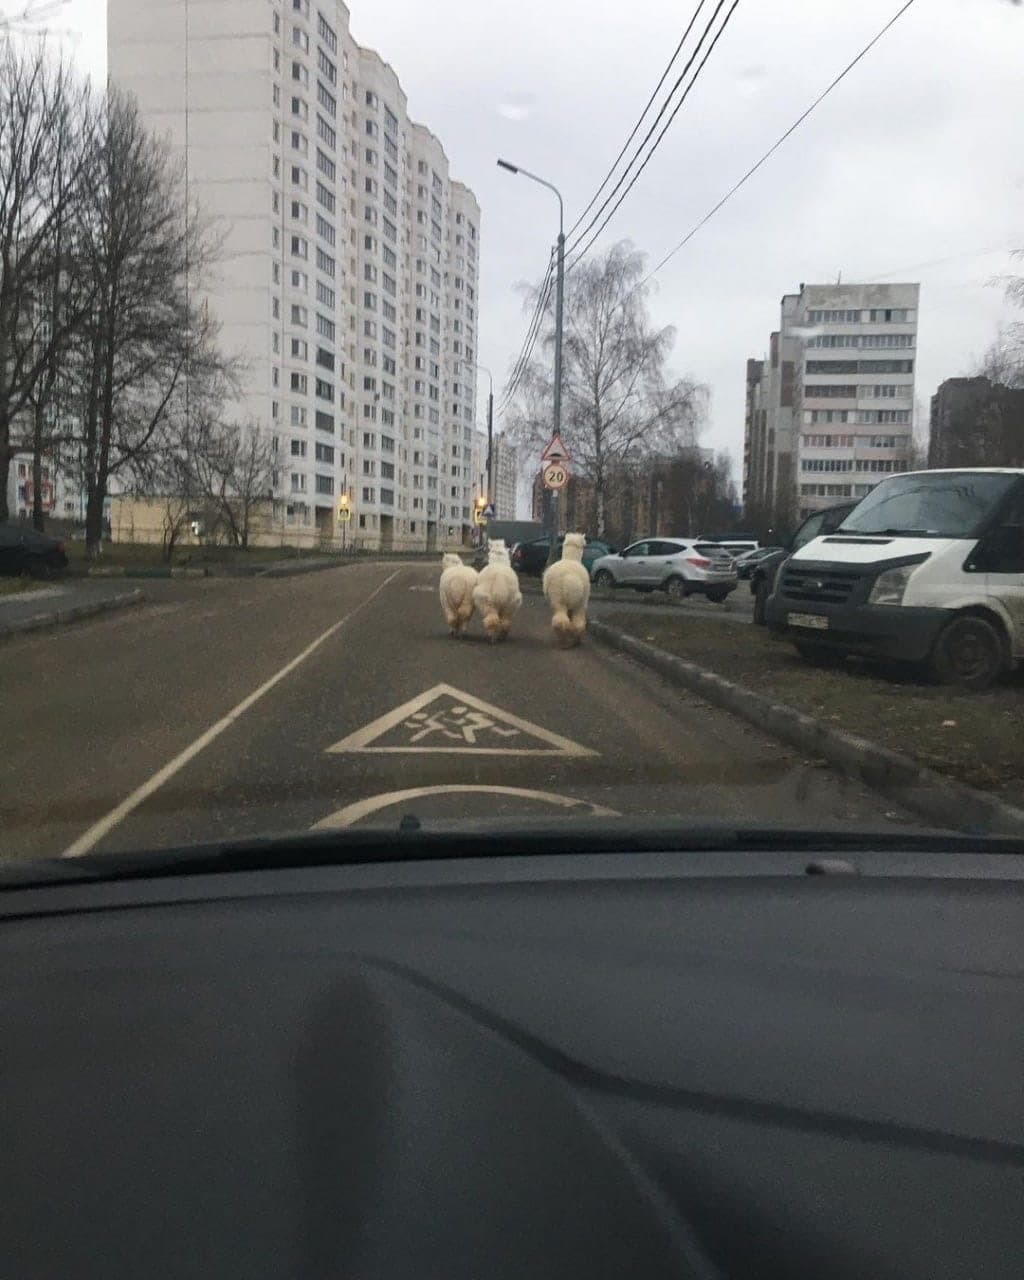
<point>290,570</point>
<point>59,617</point>
<point>932,795</point>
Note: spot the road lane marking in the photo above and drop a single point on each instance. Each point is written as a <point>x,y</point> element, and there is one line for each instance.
<point>88,841</point>
<point>446,720</point>
<point>353,813</point>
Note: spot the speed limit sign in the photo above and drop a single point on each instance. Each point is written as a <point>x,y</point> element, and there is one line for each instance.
<point>556,475</point>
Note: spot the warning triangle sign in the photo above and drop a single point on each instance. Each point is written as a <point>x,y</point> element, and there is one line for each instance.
<point>446,720</point>
<point>556,451</point>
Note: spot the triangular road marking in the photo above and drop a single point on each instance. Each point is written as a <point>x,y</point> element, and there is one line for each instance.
<point>445,719</point>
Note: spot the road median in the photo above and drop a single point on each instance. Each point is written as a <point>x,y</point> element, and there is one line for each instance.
<point>955,758</point>
<point>46,619</point>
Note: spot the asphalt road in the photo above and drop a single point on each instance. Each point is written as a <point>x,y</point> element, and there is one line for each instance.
<point>228,708</point>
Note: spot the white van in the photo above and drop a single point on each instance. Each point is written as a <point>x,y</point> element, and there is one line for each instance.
<point>928,568</point>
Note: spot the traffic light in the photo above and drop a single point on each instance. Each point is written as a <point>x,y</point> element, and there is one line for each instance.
<point>344,509</point>
<point>479,507</point>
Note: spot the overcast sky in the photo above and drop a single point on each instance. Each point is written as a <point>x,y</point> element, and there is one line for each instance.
<point>911,170</point>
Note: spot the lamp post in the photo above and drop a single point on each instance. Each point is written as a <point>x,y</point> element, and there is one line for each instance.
<point>559,297</point>
<point>490,427</point>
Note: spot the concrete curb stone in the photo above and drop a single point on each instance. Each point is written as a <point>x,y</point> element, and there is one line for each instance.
<point>934,796</point>
<point>59,617</point>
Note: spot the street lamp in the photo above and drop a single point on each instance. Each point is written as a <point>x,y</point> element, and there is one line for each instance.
<point>490,426</point>
<point>559,283</point>
<point>559,295</point>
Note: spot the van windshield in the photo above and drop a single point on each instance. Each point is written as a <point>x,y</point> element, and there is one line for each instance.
<point>946,504</point>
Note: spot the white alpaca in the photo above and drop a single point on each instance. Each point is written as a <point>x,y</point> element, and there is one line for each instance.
<point>497,593</point>
<point>456,590</point>
<point>567,590</point>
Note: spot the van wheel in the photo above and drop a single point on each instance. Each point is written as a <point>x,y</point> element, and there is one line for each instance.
<point>604,580</point>
<point>717,594</point>
<point>761,603</point>
<point>676,588</point>
<point>970,652</point>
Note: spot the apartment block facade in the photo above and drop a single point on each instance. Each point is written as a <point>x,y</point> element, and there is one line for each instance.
<point>976,423</point>
<point>348,279</point>
<point>830,412</point>
<point>505,469</point>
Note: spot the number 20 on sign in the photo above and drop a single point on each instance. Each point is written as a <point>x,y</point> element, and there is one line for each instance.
<point>556,475</point>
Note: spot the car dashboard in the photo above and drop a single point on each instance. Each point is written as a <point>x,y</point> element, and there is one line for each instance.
<point>638,1064</point>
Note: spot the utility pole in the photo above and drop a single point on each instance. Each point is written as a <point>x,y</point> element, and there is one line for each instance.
<point>490,443</point>
<point>552,498</point>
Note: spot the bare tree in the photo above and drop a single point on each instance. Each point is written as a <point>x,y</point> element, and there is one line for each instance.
<point>619,405</point>
<point>28,14</point>
<point>1003,360</point>
<point>149,343</point>
<point>45,141</point>
<point>237,469</point>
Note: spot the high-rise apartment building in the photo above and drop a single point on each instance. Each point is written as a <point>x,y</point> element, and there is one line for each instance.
<point>505,468</point>
<point>349,272</point>
<point>831,410</point>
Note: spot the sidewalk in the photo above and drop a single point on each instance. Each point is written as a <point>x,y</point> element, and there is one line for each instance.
<point>66,601</point>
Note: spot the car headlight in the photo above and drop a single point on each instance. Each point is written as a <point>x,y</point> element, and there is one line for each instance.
<point>890,586</point>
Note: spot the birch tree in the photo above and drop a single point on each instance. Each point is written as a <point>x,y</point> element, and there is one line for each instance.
<point>619,403</point>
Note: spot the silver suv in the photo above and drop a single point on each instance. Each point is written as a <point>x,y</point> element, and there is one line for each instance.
<point>680,566</point>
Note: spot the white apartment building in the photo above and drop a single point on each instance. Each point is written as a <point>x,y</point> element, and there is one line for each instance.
<point>831,411</point>
<point>349,273</point>
<point>505,469</point>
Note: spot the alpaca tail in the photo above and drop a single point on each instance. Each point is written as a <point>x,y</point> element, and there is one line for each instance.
<point>493,623</point>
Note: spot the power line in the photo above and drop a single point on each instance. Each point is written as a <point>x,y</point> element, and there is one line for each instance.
<point>668,124</point>
<point>643,114</point>
<point>527,352</point>
<point>650,132</point>
<point>775,145</point>
<point>535,322</point>
<point>531,337</point>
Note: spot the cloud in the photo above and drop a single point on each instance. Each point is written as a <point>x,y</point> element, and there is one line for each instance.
<point>517,107</point>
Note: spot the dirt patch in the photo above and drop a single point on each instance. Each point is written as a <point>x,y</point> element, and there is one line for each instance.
<point>15,586</point>
<point>976,738</point>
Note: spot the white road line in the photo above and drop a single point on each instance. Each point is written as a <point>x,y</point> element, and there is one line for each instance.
<point>87,842</point>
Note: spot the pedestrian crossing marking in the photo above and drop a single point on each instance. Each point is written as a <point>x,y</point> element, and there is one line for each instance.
<point>447,720</point>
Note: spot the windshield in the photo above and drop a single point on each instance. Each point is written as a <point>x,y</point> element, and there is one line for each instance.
<point>408,419</point>
<point>941,505</point>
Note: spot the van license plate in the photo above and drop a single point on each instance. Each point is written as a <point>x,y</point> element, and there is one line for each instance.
<point>814,620</point>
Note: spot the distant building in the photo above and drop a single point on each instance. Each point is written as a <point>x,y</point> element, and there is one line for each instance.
<point>830,411</point>
<point>975,423</point>
<point>505,466</point>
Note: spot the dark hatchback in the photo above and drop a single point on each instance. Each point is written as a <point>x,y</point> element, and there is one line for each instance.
<point>24,551</point>
<point>762,576</point>
<point>532,557</point>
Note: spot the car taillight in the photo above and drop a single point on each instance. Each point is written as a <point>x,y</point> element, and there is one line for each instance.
<point>698,562</point>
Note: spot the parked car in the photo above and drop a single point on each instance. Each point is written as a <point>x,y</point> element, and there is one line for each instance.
<point>928,569</point>
<point>748,560</point>
<point>23,550</point>
<point>678,566</point>
<point>737,544</point>
<point>762,575</point>
<point>532,557</point>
